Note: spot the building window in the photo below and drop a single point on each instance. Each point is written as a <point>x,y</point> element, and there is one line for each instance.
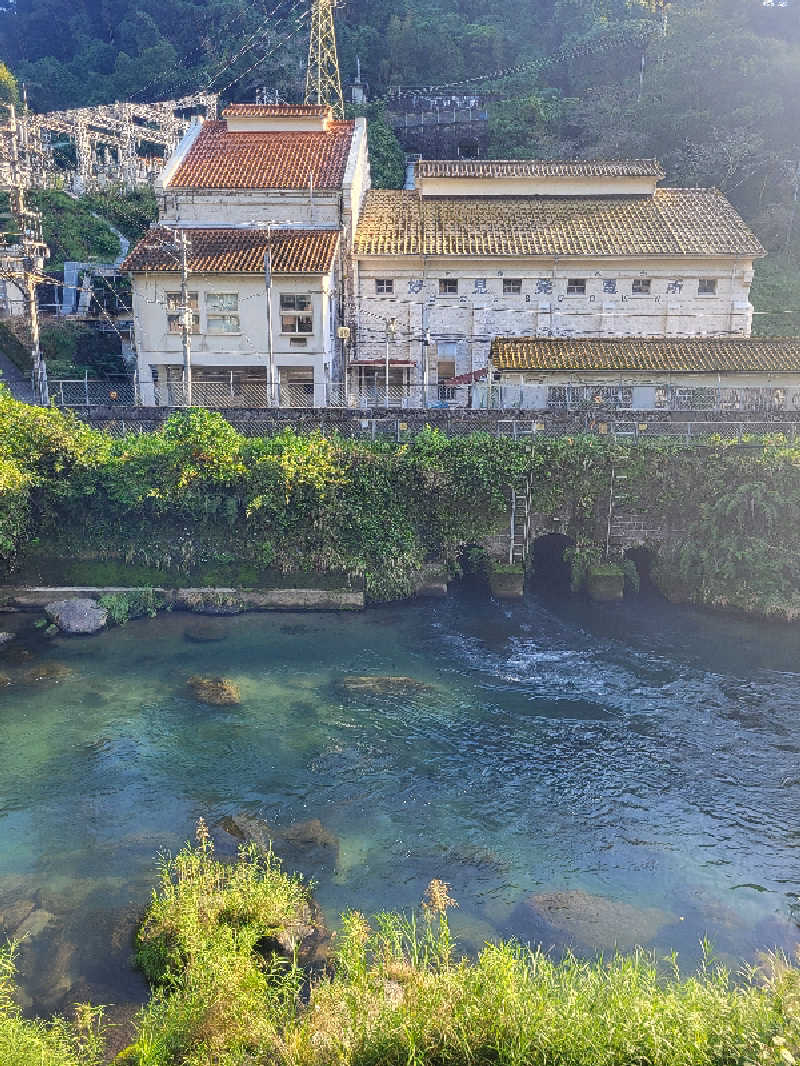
<point>512,286</point>
<point>296,314</point>
<point>174,319</point>
<point>221,312</point>
<point>641,286</point>
<point>576,286</point>
<point>707,287</point>
<point>384,286</point>
<point>298,342</point>
<point>448,286</point>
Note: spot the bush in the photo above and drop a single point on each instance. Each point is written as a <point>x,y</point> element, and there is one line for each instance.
<point>123,606</point>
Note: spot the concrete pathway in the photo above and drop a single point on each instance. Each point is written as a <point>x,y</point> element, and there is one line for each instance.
<point>12,376</point>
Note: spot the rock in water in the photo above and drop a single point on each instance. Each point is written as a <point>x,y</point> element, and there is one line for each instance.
<point>307,845</point>
<point>47,672</point>
<point>217,691</point>
<point>5,638</point>
<point>383,685</point>
<point>204,633</point>
<point>77,615</point>
<point>595,921</point>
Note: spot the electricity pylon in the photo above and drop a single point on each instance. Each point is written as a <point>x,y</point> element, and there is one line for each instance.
<point>323,83</point>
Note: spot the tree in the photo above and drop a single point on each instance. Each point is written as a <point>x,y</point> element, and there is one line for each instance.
<point>9,93</point>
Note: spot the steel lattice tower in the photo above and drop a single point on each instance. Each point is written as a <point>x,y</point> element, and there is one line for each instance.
<point>323,82</point>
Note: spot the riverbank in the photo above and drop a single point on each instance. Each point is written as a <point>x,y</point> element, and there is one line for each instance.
<point>197,498</point>
<point>243,969</point>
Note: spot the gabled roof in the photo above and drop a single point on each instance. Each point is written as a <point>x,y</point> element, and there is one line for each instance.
<point>539,168</point>
<point>277,111</point>
<point>672,222</point>
<point>265,159</point>
<point>236,251</point>
<point>693,355</point>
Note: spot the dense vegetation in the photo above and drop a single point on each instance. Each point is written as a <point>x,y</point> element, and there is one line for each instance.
<point>222,945</point>
<point>199,495</point>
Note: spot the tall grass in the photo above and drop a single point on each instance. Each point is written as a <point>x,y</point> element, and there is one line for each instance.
<point>45,1043</point>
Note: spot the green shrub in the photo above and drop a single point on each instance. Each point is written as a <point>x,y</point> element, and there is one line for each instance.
<point>123,606</point>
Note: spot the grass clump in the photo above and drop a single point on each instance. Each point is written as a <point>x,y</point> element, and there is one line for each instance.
<point>56,1042</point>
<point>400,996</point>
<point>123,606</point>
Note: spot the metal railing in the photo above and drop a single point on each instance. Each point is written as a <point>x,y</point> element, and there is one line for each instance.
<point>565,398</point>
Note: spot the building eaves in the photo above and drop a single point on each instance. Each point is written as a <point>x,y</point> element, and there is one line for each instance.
<point>539,168</point>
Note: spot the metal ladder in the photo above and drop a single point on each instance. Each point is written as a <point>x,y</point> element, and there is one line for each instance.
<point>519,533</point>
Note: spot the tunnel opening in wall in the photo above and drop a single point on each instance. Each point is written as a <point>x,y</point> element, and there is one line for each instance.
<point>551,571</point>
<point>645,560</point>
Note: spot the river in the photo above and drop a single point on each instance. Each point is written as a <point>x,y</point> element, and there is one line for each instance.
<point>579,774</point>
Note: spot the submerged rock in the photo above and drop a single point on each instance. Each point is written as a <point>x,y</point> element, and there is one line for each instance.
<point>383,685</point>
<point>6,638</point>
<point>217,691</point>
<point>4,680</point>
<point>47,672</point>
<point>204,633</point>
<point>306,845</point>
<point>77,615</point>
<point>594,921</point>
<point>12,916</point>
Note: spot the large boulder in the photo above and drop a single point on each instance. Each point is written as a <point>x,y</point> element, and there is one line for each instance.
<point>586,921</point>
<point>77,615</point>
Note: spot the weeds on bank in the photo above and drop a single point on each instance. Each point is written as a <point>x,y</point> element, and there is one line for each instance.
<point>56,1042</point>
<point>217,946</point>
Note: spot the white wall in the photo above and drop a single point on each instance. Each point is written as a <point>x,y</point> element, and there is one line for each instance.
<point>156,346</point>
<point>482,311</point>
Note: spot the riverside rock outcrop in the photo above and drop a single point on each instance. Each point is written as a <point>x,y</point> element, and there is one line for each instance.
<point>77,615</point>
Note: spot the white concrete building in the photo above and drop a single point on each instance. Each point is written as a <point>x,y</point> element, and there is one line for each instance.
<point>481,249</point>
<point>277,187</point>
<point>697,373</point>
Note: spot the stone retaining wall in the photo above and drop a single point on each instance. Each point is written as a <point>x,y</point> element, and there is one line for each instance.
<point>204,600</point>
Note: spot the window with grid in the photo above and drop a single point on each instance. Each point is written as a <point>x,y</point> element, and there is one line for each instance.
<point>222,312</point>
<point>448,286</point>
<point>384,286</point>
<point>296,316</point>
<point>173,312</point>
<point>512,286</point>
<point>576,286</point>
<point>707,287</point>
<point>641,286</point>
<point>446,369</point>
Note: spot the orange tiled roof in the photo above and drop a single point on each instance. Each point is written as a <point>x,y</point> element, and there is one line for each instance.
<point>539,168</point>
<point>695,355</point>
<point>257,159</point>
<point>672,222</point>
<point>278,111</point>
<point>236,251</point>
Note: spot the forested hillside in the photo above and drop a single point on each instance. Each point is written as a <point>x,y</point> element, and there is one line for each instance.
<point>718,101</point>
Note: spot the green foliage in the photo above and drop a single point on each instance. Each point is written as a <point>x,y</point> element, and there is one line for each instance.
<point>72,232</point>
<point>72,349</point>
<point>130,212</point>
<point>56,1042</point>
<point>400,993</point>
<point>12,346</point>
<point>387,159</point>
<point>123,606</point>
<point>9,91</point>
<point>776,289</point>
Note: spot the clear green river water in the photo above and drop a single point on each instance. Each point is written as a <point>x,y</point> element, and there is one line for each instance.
<point>579,775</point>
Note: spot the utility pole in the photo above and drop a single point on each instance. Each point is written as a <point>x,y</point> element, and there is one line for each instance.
<point>186,319</point>
<point>270,353</point>
<point>323,81</point>
<point>32,251</point>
